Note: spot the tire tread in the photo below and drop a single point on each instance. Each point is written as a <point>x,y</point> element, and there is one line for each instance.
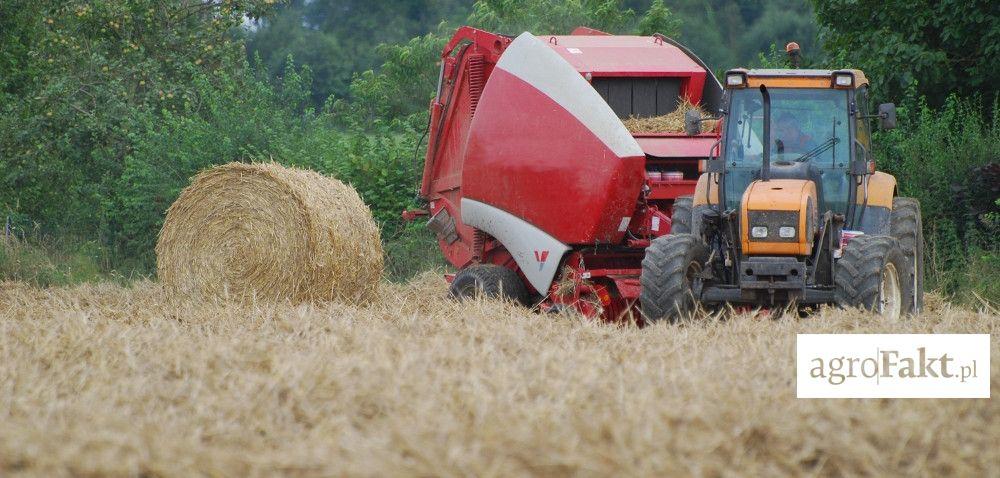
<point>489,280</point>
<point>666,293</point>
<point>859,271</point>
<point>906,226</point>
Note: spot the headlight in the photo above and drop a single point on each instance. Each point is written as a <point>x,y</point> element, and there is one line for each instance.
<point>736,78</point>
<point>772,226</point>
<point>844,79</point>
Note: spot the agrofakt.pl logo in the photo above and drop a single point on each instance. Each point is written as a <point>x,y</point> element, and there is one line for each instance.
<point>893,366</point>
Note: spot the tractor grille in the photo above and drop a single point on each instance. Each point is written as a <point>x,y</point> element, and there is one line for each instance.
<point>773,220</point>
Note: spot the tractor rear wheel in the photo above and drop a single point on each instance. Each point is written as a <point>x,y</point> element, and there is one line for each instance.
<point>907,227</point>
<point>871,275</point>
<point>680,216</point>
<point>668,270</point>
<point>490,281</point>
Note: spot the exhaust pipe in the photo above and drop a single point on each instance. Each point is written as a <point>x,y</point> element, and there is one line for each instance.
<point>765,167</point>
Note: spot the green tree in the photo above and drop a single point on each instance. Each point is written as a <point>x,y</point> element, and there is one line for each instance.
<point>659,19</point>
<point>338,38</point>
<point>550,16</point>
<point>81,80</point>
<point>402,86</point>
<point>731,33</point>
<point>942,47</point>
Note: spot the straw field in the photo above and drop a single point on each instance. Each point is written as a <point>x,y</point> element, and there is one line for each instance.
<point>100,380</point>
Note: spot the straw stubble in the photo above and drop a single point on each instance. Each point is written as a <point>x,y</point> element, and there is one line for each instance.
<point>102,380</point>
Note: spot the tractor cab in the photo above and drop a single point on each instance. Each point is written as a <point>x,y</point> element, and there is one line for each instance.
<point>817,128</point>
<point>790,209</point>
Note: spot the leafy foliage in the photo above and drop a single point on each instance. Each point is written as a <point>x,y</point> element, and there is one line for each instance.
<point>402,87</point>
<point>236,118</point>
<point>947,158</point>
<point>82,79</point>
<point>731,33</point>
<point>339,38</point>
<point>113,109</point>
<point>550,16</point>
<point>942,47</point>
<point>659,19</point>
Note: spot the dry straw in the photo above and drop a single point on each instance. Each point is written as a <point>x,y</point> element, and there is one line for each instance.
<point>270,232</point>
<point>103,380</point>
<point>672,122</point>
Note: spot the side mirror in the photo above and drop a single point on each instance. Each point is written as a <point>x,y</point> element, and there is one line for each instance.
<point>692,122</point>
<point>887,116</point>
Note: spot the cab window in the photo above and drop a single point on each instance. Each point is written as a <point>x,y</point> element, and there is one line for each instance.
<point>807,125</point>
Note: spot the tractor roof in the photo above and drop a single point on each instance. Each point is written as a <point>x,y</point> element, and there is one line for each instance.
<point>798,78</point>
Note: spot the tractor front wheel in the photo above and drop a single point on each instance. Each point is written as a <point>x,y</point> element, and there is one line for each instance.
<point>871,274</point>
<point>668,270</point>
<point>490,281</point>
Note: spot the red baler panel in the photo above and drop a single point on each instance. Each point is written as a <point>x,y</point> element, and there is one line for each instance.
<point>624,55</point>
<point>678,146</point>
<point>531,157</point>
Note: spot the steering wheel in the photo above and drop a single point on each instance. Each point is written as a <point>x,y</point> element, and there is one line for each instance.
<point>785,159</point>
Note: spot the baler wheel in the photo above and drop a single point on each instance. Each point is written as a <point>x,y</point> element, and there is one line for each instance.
<point>680,217</point>
<point>907,227</point>
<point>871,275</point>
<point>668,270</point>
<point>488,280</point>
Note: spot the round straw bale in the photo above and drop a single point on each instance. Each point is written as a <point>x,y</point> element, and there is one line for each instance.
<point>269,232</point>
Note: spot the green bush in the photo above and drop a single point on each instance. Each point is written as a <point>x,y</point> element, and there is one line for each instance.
<point>944,158</point>
<point>250,119</point>
<point>410,251</point>
<point>86,87</point>
<point>979,279</point>
<point>231,117</point>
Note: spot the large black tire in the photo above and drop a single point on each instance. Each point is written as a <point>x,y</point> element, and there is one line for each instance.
<point>667,272</point>
<point>680,216</point>
<point>488,280</point>
<point>907,227</point>
<point>870,275</point>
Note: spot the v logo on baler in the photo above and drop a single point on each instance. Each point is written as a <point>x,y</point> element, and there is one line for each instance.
<point>541,257</point>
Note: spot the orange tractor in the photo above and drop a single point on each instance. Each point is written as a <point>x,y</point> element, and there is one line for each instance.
<point>791,208</point>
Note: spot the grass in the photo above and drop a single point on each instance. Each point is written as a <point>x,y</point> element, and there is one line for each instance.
<point>410,250</point>
<point>47,264</point>
<point>100,380</point>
